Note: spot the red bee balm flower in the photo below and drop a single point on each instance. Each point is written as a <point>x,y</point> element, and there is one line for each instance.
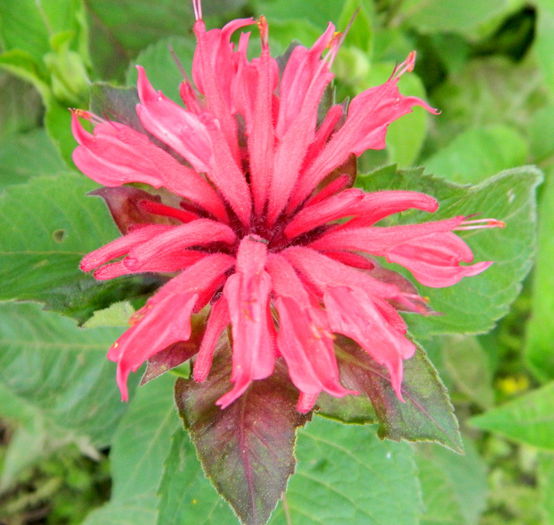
<point>260,222</point>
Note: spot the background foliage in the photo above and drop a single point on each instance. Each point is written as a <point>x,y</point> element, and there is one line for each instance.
<point>71,453</point>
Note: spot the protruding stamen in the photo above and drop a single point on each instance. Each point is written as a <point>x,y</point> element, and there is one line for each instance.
<point>480,224</point>
<point>405,67</point>
<point>197,6</point>
<point>87,115</point>
<point>264,31</point>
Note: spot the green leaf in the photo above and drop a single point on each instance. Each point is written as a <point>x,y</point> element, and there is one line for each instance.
<point>541,131</point>
<point>488,91</point>
<point>160,65</point>
<point>453,16</point>
<point>478,153</point>
<point>318,12</point>
<point>122,29</point>
<point>345,474</point>
<point>20,106</point>
<point>527,419</point>
<point>544,40</point>
<point>426,414</point>
<point>50,224</point>
<point>55,379</point>
<point>28,25</point>
<point>454,486</point>
<point>474,304</point>
<point>139,448</point>
<point>349,409</point>
<point>539,353</point>
<point>246,449</point>
<point>468,366</point>
<point>186,495</point>
<point>546,486</point>
<point>27,155</point>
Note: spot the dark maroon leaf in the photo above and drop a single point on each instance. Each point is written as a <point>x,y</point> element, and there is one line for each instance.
<point>427,413</point>
<point>123,203</point>
<point>177,353</point>
<point>246,449</point>
<point>173,356</point>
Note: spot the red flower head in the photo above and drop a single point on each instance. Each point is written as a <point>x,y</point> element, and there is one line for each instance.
<point>258,220</point>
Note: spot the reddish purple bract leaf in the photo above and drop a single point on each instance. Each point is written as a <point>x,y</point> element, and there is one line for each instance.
<point>246,449</point>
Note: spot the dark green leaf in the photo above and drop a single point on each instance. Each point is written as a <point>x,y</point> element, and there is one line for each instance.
<point>20,106</point>
<point>474,304</point>
<point>122,29</point>
<point>246,449</point>
<point>426,414</point>
<point>114,103</point>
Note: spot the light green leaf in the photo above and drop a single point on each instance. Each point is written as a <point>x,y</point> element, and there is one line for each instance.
<point>56,381</point>
<point>160,65</point>
<point>478,153</point>
<point>544,40</point>
<point>541,131</point>
<point>454,487</point>
<point>28,24</point>
<point>528,419</point>
<point>452,15</point>
<point>474,304</point>
<point>117,314</point>
<point>49,224</point>
<point>319,12</point>
<point>539,352</point>
<point>27,155</point>
<point>139,448</point>
<point>546,486</point>
<point>468,366</point>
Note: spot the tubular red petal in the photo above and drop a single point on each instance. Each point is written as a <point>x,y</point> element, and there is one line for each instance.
<point>122,246</point>
<point>374,325</point>
<point>247,295</point>
<point>217,321</point>
<point>195,233</point>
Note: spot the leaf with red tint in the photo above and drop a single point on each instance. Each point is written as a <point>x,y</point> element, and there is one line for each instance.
<point>246,449</point>
<point>177,353</point>
<point>123,203</point>
<point>115,103</point>
<point>427,413</point>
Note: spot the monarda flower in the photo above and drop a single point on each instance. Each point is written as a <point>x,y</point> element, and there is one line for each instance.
<point>255,218</point>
